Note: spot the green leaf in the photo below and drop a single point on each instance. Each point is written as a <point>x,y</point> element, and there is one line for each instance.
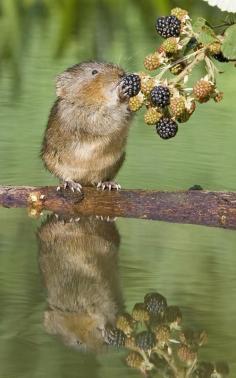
<point>205,33</point>
<point>198,24</point>
<point>229,44</point>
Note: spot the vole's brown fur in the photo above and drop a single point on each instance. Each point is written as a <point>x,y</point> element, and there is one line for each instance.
<point>88,125</point>
<point>78,262</point>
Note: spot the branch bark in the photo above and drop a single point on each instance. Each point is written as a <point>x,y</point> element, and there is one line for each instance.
<point>217,209</point>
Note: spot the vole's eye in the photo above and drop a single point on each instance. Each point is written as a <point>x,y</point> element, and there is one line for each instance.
<point>94,72</point>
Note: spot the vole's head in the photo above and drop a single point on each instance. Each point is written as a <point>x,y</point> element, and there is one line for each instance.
<point>90,83</point>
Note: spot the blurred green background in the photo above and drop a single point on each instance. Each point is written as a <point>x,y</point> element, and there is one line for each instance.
<point>193,266</point>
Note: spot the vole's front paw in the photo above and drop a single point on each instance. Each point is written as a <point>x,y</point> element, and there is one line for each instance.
<point>123,92</point>
<point>108,185</point>
<point>72,185</point>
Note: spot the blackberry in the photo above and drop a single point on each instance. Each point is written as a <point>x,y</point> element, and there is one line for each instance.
<point>152,61</point>
<point>177,106</point>
<point>205,369</point>
<point>202,90</point>
<point>155,303</point>
<point>171,46</point>
<point>186,354</point>
<point>168,26</point>
<point>162,334</point>
<point>220,57</point>
<point>145,340</point>
<point>133,83</point>
<point>147,84</point>
<point>125,323</point>
<point>140,313</point>
<point>166,128</point>
<point>222,368</point>
<point>173,316</point>
<point>135,360</point>
<point>152,116</point>
<point>136,102</point>
<point>115,337</point>
<point>160,96</point>
<point>180,13</point>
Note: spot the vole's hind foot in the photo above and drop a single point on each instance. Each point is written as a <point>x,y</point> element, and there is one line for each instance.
<point>72,185</point>
<point>108,185</point>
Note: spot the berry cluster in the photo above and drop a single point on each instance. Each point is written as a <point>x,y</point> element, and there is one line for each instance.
<point>167,98</point>
<point>156,340</point>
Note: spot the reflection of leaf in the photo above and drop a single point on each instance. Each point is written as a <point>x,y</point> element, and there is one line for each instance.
<point>229,44</point>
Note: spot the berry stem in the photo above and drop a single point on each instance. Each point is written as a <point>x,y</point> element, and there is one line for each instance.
<point>200,56</point>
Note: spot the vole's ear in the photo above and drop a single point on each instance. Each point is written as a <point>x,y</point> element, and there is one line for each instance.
<point>63,82</point>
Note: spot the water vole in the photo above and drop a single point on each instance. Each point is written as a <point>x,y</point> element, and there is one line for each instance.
<point>85,139</point>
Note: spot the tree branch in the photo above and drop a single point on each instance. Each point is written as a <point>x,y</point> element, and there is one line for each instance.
<point>217,209</point>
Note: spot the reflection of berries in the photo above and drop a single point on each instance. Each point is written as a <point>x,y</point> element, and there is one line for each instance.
<point>162,334</point>
<point>125,323</point>
<point>173,315</point>
<point>130,343</point>
<point>160,96</point>
<point>180,13</point>
<point>166,128</point>
<point>145,340</point>
<point>115,337</point>
<point>219,96</point>
<point>186,355</point>
<point>136,102</point>
<point>168,26</point>
<point>220,57</point>
<point>177,106</point>
<point>135,360</point>
<point>140,313</point>
<point>152,61</point>
<point>204,369</point>
<point>147,84</point>
<point>170,45</point>
<point>177,68</point>
<point>222,368</point>
<point>155,303</point>
<point>133,82</point>
<point>152,116</point>
<point>202,90</point>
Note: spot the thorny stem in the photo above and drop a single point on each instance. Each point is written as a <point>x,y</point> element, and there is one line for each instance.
<point>159,76</point>
<point>198,58</point>
<point>168,360</point>
<point>191,368</point>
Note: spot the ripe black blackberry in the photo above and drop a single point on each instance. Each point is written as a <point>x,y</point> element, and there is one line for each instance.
<point>115,337</point>
<point>133,84</point>
<point>220,57</point>
<point>166,128</point>
<point>168,26</point>
<point>155,303</point>
<point>160,96</point>
<point>145,340</point>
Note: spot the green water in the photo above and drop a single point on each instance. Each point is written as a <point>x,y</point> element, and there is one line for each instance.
<point>194,267</point>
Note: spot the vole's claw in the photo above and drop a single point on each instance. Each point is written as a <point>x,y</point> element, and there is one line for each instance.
<point>72,185</point>
<point>123,92</point>
<point>108,185</point>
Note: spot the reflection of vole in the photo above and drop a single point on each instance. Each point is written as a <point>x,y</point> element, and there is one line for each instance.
<point>85,139</point>
<point>78,262</point>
